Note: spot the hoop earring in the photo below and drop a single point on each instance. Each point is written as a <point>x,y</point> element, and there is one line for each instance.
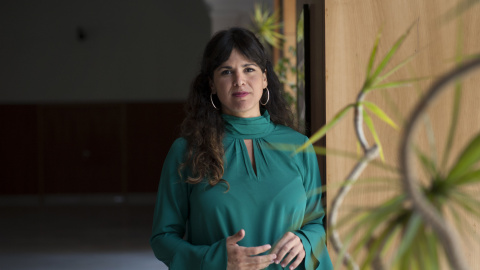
<point>268,98</point>
<point>211,100</point>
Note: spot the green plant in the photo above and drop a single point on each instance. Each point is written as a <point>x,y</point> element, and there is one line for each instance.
<point>417,219</point>
<point>267,27</point>
<point>283,68</point>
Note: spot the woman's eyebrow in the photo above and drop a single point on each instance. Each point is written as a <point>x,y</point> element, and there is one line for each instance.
<point>244,65</point>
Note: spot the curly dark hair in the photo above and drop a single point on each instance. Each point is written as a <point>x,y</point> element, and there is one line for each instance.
<point>203,127</point>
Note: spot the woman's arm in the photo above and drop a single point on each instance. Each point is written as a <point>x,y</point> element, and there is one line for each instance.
<point>170,218</point>
<point>312,234</point>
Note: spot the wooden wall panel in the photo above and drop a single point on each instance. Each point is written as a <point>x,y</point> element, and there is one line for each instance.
<point>85,148</point>
<point>350,30</point>
<point>82,148</point>
<point>18,149</point>
<point>151,131</point>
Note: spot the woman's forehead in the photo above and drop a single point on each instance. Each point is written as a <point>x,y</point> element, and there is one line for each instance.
<point>237,55</point>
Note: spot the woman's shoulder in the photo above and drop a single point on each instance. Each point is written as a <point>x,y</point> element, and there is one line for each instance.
<point>178,147</point>
<point>180,142</point>
<point>288,133</point>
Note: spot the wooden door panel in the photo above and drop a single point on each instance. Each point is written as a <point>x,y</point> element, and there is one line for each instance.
<point>82,148</point>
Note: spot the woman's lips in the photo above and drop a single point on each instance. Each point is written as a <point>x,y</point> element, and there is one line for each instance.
<point>240,94</point>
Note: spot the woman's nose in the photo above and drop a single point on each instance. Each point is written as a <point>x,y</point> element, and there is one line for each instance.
<point>239,79</point>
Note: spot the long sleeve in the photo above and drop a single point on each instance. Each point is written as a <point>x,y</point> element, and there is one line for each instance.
<point>170,219</point>
<point>312,232</point>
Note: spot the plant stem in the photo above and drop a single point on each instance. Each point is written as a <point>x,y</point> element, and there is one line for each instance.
<point>448,235</point>
<point>369,155</point>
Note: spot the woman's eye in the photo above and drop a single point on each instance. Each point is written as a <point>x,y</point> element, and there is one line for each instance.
<point>226,72</point>
<point>249,69</point>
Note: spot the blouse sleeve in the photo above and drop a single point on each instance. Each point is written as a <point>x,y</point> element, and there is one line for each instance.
<point>170,218</point>
<point>312,232</point>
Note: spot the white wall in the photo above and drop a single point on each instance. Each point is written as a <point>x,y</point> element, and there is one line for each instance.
<point>146,50</point>
<point>228,13</point>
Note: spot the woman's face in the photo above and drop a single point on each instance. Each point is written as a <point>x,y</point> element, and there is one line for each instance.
<point>239,84</point>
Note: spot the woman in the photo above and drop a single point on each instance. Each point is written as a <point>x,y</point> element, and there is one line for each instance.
<point>231,194</point>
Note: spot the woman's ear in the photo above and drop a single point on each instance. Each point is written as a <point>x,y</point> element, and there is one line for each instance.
<point>265,80</point>
<point>212,86</point>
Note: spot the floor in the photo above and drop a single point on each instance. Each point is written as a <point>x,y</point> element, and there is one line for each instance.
<point>65,233</point>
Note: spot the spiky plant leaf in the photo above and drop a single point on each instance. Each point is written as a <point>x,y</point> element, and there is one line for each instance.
<point>468,233</point>
<point>426,255</point>
<point>466,202</point>
<point>472,56</point>
<point>324,151</point>
<point>341,255</point>
<point>432,249</point>
<point>376,217</point>
<point>459,9</point>
<point>394,84</point>
<point>409,236</point>
<point>387,58</point>
<point>323,130</point>
<point>373,53</point>
<point>428,164</point>
<point>384,166</point>
<point>356,216</point>
<point>379,113</point>
<point>453,209</point>
<point>266,26</point>
<point>469,156</point>
<point>371,127</point>
<point>398,114</point>
<point>378,244</point>
<point>394,69</point>
<point>320,150</point>
<point>453,123</point>
<point>471,177</point>
<point>430,138</point>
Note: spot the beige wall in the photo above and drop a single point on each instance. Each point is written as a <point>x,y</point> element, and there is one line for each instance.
<point>350,30</point>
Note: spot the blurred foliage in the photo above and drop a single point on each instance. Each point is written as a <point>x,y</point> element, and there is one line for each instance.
<point>267,27</point>
<point>392,231</point>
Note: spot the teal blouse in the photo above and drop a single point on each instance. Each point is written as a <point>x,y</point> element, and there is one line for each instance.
<point>192,222</point>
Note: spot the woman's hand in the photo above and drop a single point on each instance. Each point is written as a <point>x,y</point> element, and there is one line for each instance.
<point>245,257</point>
<point>292,245</point>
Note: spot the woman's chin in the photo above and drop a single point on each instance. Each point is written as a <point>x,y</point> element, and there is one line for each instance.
<point>243,112</point>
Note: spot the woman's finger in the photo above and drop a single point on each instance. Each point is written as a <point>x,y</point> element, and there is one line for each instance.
<point>233,239</point>
<point>252,251</point>
<point>239,257</point>
<point>280,243</point>
<point>262,266</point>
<point>294,252</point>
<point>284,245</point>
<point>286,249</point>
<point>242,261</point>
<point>289,247</point>
<point>298,260</point>
<point>261,260</point>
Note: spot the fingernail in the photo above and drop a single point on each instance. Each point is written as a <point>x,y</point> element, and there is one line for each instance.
<point>283,265</point>
<point>276,261</point>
